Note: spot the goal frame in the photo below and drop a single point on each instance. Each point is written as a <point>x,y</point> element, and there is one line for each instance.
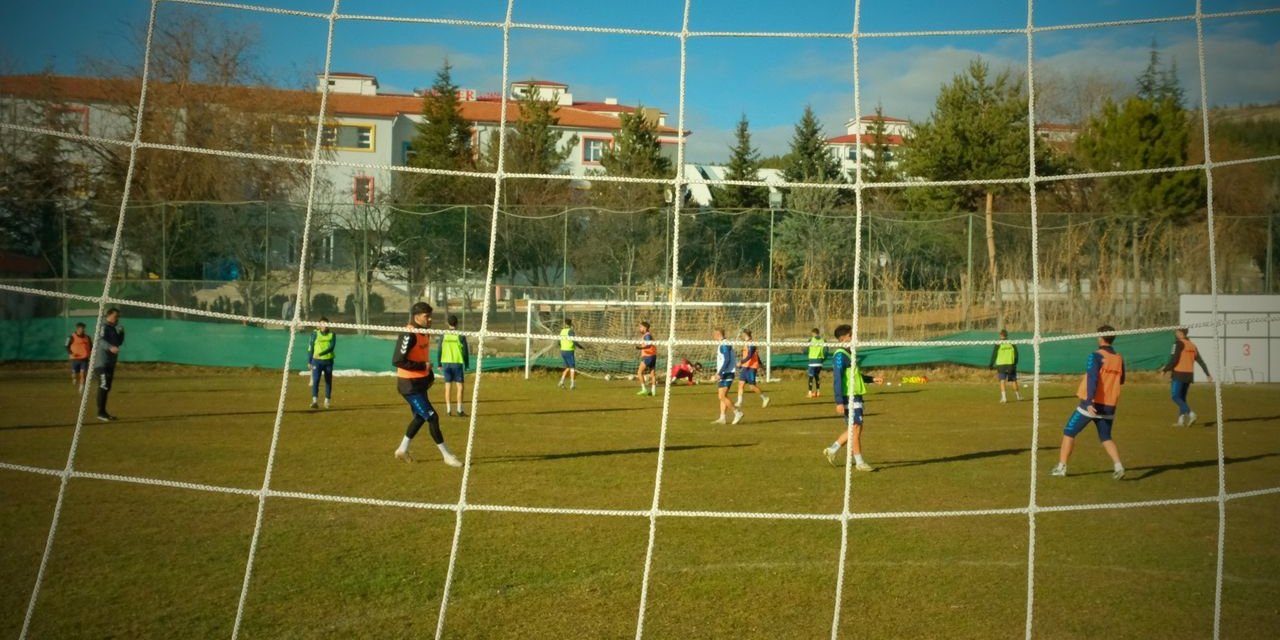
<point>534,303</point>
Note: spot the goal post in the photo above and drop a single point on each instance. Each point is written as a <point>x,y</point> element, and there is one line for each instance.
<point>617,320</point>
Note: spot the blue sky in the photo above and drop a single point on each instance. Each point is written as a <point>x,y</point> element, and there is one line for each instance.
<point>768,79</point>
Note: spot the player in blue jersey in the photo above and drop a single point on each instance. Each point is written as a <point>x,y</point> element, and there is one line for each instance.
<point>725,367</point>
<point>817,352</point>
<point>850,385</point>
<point>750,366</point>
<point>453,356</point>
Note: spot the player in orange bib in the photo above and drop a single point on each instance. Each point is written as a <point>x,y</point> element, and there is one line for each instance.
<point>749,366</point>
<point>1099,394</point>
<point>412,360</point>
<point>79,345</point>
<point>1181,368</point>
<point>648,361</point>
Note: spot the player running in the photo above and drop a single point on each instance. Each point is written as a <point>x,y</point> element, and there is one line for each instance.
<point>750,365</point>
<point>320,360</point>
<point>1181,368</point>
<point>412,360</point>
<point>817,357</point>
<point>1099,394</point>
<point>568,352</point>
<point>1004,359</point>
<point>648,361</point>
<point>850,385</point>
<point>79,345</point>
<point>453,358</point>
<point>724,377</point>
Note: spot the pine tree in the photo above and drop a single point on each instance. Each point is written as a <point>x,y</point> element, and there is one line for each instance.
<point>744,164</point>
<point>637,153</point>
<point>1148,130</point>
<point>809,159</point>
<point>442,141</point>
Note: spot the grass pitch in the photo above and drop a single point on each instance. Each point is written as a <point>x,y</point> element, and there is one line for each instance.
<point>135,561</point>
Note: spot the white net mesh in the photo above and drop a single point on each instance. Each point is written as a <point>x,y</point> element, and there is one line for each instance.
<point>676,334</point>
<point>617,320</point>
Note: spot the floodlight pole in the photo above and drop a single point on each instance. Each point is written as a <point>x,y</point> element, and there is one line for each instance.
<point>528,338</point>
<point>564,261</point>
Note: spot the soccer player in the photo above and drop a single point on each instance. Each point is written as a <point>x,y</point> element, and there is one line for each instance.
<point>1181,368</point>
<point>685,371</point>
<point>412,360</point>
<point>750,365</point>
<point>1099,393</point>
<point>112,334</point>
<point>648,361</point>
<point>817,356</point>
<point>1004,359</point>
<point>568,349</point>
<point>850,385</point>
<point>724,377</point>
<point>320,361</point>
<point>79,345</point>
<point>453,358</point>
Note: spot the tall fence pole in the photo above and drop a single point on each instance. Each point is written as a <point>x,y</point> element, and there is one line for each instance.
<point>1270,241</point>
<point>466,298</point>
<point>968,284</point>
<point>66,302</point>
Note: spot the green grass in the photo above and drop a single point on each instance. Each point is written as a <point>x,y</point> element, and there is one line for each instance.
<point>133,561</point>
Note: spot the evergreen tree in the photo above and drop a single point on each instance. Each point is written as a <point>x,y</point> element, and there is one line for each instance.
<point>744,164</point>
<point>880,166</point>
<point>809,159</point>
<point>978,130</point>
<point>1148,130</point>
<point>442,141</point>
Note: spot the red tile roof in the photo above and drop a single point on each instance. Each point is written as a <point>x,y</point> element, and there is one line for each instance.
<point>83,89</point>
<point>873,118</point>
<point>603,106</point>
<point>867,140</point>
<point>540,83</point>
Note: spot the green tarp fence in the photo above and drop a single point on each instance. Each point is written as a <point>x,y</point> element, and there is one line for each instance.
<point>233,345</point>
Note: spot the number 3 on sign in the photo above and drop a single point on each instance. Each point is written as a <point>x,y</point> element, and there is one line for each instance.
<point>1246,349</point>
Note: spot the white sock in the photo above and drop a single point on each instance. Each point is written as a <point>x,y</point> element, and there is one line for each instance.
<point>1118,467</point>
<point>835,446</point>
<point>857,459</point>
<point>1003,396</point>
<point>404,444</point>
<point>444,450</point>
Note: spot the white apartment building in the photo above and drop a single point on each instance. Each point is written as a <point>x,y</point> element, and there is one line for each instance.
<point>366,127</point>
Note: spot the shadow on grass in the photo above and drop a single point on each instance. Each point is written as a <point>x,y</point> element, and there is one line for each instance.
<point>1249,419</point>
<point>1155,470</point>
<point>963,457</point>
<point>834,418</point>
<point>613,452</point>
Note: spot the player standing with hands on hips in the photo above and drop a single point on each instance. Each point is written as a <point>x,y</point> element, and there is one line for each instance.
<point>111,335</point>
<point>412,360</point>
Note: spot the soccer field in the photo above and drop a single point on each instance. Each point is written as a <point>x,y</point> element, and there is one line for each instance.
<point>138,561</point>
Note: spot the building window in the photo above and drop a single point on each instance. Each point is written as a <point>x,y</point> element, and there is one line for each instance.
<point>407,153</point>
<point>349,136</point>
<point>363,188</point>
<point>593,149</point>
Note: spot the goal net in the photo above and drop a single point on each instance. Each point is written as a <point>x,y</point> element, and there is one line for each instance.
<point>608,328</point>
<point>620,320</point>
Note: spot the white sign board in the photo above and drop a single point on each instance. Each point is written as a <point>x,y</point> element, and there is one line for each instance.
<point>1250,350</point>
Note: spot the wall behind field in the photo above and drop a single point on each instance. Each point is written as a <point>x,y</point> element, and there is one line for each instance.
<point>236,345</point>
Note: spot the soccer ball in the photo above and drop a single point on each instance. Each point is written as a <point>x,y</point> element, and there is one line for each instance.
<point>608,377</point>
